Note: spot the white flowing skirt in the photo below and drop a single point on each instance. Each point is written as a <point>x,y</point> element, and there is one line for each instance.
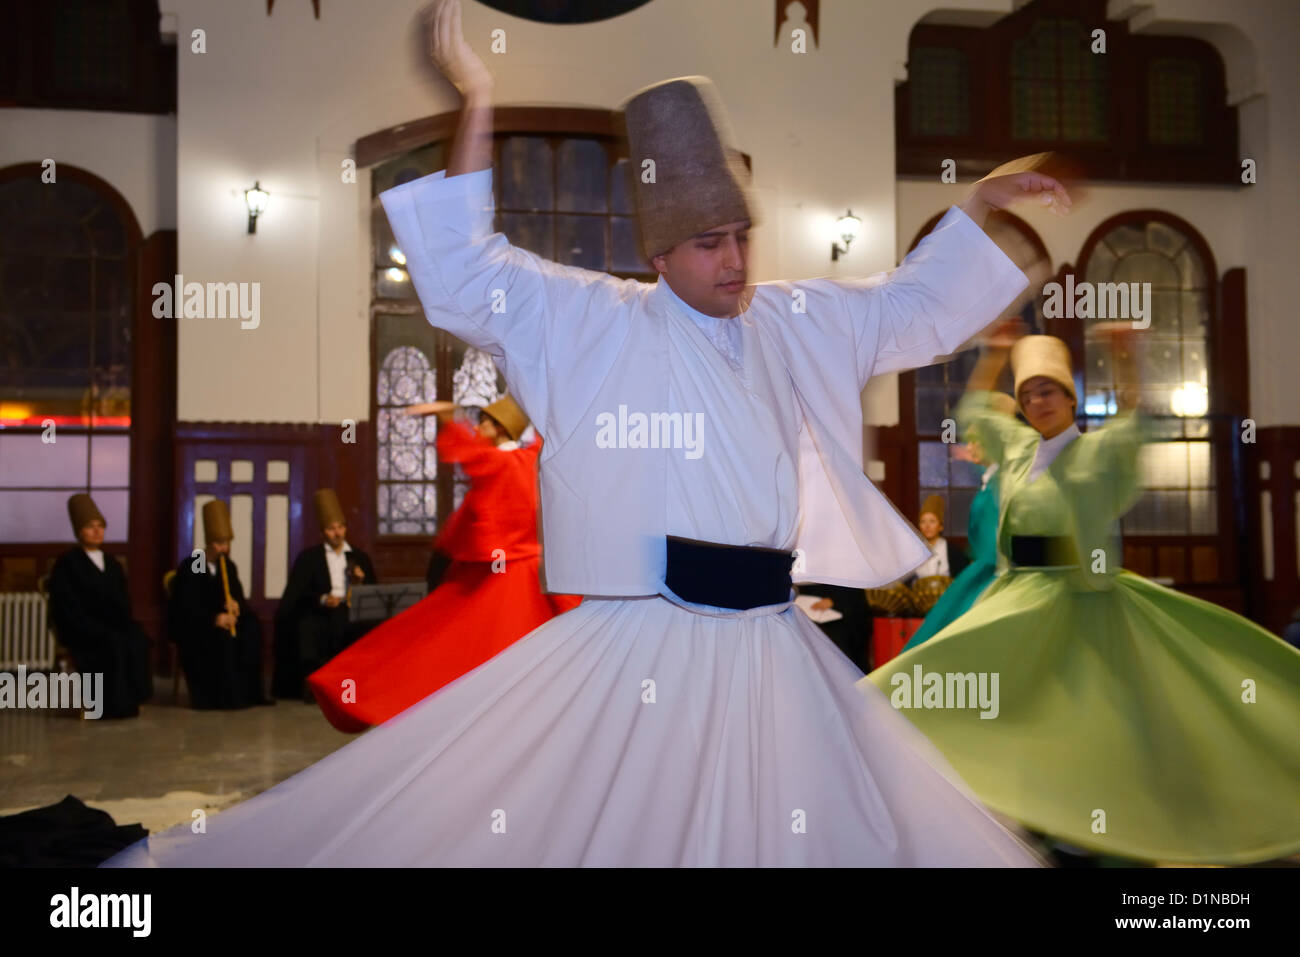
<point>629,732</point>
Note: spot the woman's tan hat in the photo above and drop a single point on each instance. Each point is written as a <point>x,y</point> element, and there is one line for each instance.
<point>933,504</point>
<point>1044,356</point>
<point>700,180</point>
<point>508,415</point>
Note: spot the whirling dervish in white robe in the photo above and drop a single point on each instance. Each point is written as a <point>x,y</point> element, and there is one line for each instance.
<point>640,728</point>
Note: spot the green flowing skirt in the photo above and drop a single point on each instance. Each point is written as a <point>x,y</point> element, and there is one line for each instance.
<point>955,601</point>
<point>1137,722</point>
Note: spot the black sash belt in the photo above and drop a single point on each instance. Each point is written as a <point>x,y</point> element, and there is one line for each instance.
<point>728,576</point>
<point>1043,550</point>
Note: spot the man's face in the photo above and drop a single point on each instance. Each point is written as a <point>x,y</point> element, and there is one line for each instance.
<point>1046,406</point>
<point>930,526</point>
<point>708,271</point>
<point>91,535</point>
<point>334,534</point>
<point>220,547</point>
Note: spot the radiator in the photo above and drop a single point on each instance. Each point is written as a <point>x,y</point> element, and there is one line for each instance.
<point>24,637</point>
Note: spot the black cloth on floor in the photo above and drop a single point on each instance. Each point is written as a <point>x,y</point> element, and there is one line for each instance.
<point>851,633</point>
<point>67,834</point>
<point>223,671</point>
<point>92,616</point>
<point>308,634</point>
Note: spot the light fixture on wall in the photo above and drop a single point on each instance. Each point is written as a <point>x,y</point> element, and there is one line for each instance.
<point>846,229</point>
<point>256,199</point>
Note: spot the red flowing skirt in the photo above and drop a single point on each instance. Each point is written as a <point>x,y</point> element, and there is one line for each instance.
<point>470,617</point>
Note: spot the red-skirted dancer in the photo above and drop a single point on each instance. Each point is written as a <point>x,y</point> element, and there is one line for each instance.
<point>489,597</point>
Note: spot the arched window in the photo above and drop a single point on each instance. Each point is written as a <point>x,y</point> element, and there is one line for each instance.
<point>66,309</point>
<point>563,191</point>
<point>1179,470</point>
<point>930,394</point>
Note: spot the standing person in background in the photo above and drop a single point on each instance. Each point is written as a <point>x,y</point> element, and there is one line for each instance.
<point>91,609</point>
<point>218,633</point>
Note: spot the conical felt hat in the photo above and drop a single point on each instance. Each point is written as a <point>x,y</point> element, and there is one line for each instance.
<point>216,522</point>
<point>699,179</point>
<point>82,511</point>
<point>328,509</point>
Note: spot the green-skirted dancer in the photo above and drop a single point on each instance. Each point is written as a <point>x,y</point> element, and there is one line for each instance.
<point>1110,712</point>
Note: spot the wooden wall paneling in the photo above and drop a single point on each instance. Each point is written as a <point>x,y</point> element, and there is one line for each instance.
<point>153,423</point>
<point>1279,446</point>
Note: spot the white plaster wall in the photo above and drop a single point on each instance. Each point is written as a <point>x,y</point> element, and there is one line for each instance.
<point>134,152</point>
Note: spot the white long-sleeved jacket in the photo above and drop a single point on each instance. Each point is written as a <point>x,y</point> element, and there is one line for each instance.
<point>574,344</point>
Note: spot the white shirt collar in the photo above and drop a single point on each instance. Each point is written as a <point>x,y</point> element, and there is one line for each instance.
<point>1049,449</point>
<point>346,547</point>
<point>989,472</point>
<point>703,319</point>
<point>723,333</point>
<point>96,555</point>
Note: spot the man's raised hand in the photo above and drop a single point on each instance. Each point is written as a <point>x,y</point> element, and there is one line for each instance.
<point>1019,181</point>
<point>453,57</point>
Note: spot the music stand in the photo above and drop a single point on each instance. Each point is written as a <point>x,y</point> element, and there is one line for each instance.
<point>381,602</point>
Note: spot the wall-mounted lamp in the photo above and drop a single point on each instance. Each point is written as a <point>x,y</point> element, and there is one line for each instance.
<point>846,228</point>
<point>256,199</point>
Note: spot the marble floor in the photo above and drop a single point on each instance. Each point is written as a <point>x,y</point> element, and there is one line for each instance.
<point>156,769</point>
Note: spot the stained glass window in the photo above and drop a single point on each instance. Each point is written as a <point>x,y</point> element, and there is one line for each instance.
<point>408,464</point>
<point>1178,471</point>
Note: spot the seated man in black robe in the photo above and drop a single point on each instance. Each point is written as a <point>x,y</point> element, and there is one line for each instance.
<point>311,624</point>
<point>92,615</point>
<point>219,636</point>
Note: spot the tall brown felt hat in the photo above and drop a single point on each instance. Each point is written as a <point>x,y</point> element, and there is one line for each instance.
<point>934,505</point>
<point>699,178</point>
<point>82,511</point>
<point>508,414</point>
<point>328,509</point>
<point>216,522</point>
<point>1042,355</point>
